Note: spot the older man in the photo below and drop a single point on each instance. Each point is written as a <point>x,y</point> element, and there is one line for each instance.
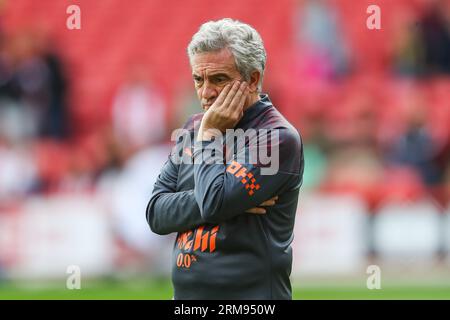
<point>234,220</point>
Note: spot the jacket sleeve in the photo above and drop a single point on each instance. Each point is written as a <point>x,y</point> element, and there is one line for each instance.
<point>170,211</point>
<point>225,190</point>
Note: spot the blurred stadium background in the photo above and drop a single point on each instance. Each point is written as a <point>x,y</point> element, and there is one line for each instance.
<point>86,117</point>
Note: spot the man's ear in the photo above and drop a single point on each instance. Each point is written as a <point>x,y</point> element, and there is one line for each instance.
<point>254,80</point>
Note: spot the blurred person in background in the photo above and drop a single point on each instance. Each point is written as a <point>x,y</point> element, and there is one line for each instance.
<point>322,48</point>
<point>316,148</point>
<point>125,189</point>
<point>18,120</point>
<point>55,124</point>
<point>18,171</point>
<point>415,147</point>
<point>138,111</point>
<point>135,151</point>
<point>423,47</point>
<point>37,83</point>
<point>354,160</point>
<point>234,232</point>
<point>20,72</point>
<point>408,50</point>
<point>435,35</point>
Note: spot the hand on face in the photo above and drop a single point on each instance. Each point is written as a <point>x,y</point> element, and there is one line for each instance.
<point>227,109</point>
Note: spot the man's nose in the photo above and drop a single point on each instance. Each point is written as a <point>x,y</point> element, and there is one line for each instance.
<point>209,91</point>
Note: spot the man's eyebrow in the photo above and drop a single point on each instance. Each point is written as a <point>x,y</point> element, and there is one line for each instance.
<point>216,75</point>
<point>212,76</point>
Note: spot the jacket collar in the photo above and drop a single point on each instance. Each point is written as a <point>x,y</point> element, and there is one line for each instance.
<point>256,109</point>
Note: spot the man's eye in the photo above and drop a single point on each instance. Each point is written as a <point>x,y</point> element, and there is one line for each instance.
<point>220,81</point>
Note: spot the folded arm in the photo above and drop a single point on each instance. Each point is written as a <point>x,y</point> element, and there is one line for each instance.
<point>170,211</point>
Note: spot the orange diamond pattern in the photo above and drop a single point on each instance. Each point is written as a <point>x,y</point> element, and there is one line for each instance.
<point>252,185</point>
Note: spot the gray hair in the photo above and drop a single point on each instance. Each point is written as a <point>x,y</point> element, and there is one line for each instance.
<point>241,39</point>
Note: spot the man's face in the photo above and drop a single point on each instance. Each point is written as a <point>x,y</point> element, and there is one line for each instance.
<point>212,71</point>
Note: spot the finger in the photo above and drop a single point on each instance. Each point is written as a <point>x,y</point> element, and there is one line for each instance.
<point>223,94</point>
<point>270,202</point>
<point>237,104</point>
<point>256,210</point>
<point>230,95</point>
<point>267,203</point>
<point>243,99</point>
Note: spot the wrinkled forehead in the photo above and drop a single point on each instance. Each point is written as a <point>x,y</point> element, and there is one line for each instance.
<point>215,61</point>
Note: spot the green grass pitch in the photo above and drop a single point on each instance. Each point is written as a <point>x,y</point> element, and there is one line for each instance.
<point>162,290</point>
